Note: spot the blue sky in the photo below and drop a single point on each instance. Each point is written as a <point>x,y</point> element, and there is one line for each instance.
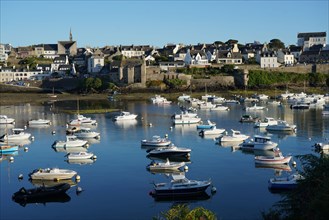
<point>101,23</point>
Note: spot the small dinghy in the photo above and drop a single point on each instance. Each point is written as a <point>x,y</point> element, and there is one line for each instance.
<point>158,166</point>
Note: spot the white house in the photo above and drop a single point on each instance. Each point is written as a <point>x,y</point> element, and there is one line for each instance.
<point>3,55</point>
<point>95,63</point>
<point>12,74</point>
<point>58,61</point>
<point>307,40</point>
<point>181,53</point>
<point>196,57</point>
<point>267,59</point>
<point>50,51</point>
<point>285,57</point>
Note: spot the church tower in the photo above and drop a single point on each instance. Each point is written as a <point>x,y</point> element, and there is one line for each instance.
<point>71,38</point>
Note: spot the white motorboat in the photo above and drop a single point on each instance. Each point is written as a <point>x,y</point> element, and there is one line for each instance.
<point>80,155</point>
<point>158,166</point>
<point>281,126</point>
<point>273,160</point>
<point>236,136</point>
<point>185,114</point>
<point>206,105</point>
<point>183,97</point>
<point>180,186</point>
<point>285,183</point>
<point>71,141</point>
<point>262,97</point>
<point>286,95</point>
<point>254,108</point>
<point>219,107</point>
<point>212,131</point>
<point>258,143</point>
<point>125,116</point>
<point>18,134</point>
<point>156,141</point>
<point>186,118</point>
<point>39,122</point>
<point>266,122</point>
<point>86,133</point>
<point>82,121</point>
<point>171,151</point>
<point>52,174</point>
<point>157,99</point>
<point>6,120</point>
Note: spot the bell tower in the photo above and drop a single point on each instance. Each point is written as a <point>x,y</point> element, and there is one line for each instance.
<point>71,38</point>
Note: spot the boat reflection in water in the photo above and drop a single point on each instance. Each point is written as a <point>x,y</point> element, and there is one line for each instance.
<point>42,194</point>
<point>39,126</point>
<point>50,183</point>
<point>172,158</point>
<point>126,123</point>
<point>8,155</point>
<point>81,161</point>
<point>255,151</point>
<point>70,149</point>
<point>234,144</point>
<point>278,168</point>
<point>182,199</point>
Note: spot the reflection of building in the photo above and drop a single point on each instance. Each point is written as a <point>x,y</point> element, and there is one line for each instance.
<point>67,47</point>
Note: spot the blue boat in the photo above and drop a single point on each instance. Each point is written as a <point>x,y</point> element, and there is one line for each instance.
<point>210,125</point>
<point>8,149</point>
<point>284,183</point>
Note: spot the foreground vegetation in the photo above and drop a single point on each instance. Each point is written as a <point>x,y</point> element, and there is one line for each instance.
<point>183,212</point>
<point>311,198</point>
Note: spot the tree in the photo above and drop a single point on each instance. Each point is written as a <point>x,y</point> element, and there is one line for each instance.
<point>310,199</point>
<point>183,212</point>
<point>231,42</point>
<point>97,83</point>
<point>276,44</point>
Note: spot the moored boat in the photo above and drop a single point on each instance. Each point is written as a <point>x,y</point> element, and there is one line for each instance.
<point>36,195</point>
<point>273,160</point>
<point>156,141</point>
<point>17,135</point>
<point>258,143</point>
<point>281,126</point>
<point>71,141</point>
<point>180,186</point>
<point>39,122</point>
<point>212,131</point>
<point>160,166</point>
<point>52,174</point>
<point>171,151</point>
<point>125,116</point>
<point>208,125</point>
<point>7,149</point>
<point>236,136</point>
<point>285,183</point>
<point>86,133</point>
<point>4,119</point>
<point>79,155</point>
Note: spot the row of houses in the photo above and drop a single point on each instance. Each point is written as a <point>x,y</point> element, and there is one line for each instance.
<point>67,58</point>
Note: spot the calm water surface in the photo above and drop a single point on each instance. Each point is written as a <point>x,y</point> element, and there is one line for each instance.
<point>117,184</point>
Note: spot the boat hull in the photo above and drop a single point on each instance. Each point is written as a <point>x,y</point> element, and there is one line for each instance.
<point>180,192</point>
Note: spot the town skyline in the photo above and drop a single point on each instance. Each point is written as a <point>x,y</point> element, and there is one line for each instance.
<point>159,23</point>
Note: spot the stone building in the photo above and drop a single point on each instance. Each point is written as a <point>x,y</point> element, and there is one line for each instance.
<point>67,47</point>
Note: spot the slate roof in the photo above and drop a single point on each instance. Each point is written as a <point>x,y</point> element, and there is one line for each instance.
<point>50,47</point>
<point>66,44</point>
